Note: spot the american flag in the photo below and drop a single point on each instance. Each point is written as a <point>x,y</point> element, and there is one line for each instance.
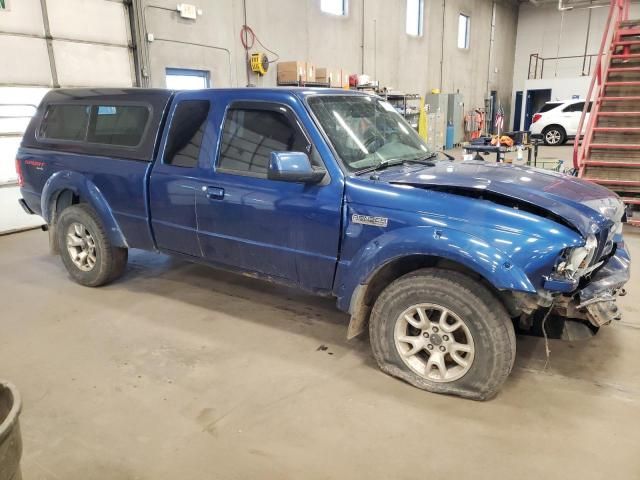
<point>500,119</point>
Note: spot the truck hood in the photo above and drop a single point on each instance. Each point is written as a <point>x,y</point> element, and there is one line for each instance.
<point>584,205</point>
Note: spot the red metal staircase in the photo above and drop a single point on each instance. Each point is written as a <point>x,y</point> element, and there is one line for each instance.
<point>609,151</point>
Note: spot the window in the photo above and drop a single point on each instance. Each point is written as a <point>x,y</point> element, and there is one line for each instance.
<point>121,125</point>
<point>4,4</point>
<point>463,31</point>
<point>250,135</point>
<point>549,106</point>
<point>334,7</point>
<point>415,17</point>
<point>576,107</point>
<point>187,130</point>
<point>64,122</point>
<point>186,79</point>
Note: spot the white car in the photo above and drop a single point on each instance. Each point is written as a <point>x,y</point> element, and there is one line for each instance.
<point>558,121</point>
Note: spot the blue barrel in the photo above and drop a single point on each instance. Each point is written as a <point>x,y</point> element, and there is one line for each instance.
<point>449,140</point>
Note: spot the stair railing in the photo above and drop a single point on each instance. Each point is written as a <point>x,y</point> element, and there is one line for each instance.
<point>618,12</point>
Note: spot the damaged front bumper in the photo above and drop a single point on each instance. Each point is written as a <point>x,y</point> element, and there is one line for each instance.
<point>598,299</point>
<point>594,303</point>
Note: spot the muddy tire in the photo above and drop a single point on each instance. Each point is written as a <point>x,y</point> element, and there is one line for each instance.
<point>443,332</point>
<point>85,249</point>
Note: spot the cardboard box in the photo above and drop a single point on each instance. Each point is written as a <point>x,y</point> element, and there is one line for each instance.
<point>292,71</point>
<point>311,72</point>
<point>324,75</point>
<point>337,80</point>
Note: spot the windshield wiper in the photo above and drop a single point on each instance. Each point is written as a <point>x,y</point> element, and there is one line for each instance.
<point>380,166</point>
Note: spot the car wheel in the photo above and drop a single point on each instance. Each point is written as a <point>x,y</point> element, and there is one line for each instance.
<point>554,135</point>
<point>443,332</point>
<point>86,251</point>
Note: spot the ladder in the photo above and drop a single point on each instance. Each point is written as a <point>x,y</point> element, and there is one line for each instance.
<point>609,150</point>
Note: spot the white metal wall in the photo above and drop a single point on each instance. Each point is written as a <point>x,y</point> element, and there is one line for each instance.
<point>54,43</point>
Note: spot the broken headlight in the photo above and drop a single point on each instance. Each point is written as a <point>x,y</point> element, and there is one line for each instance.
<point>577,260</point>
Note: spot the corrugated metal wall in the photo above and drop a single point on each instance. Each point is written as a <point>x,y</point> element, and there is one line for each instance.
<point>54,43</point>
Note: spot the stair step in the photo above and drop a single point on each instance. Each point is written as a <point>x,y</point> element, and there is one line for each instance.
<point>630,22</point>
<point>598,163</point>
<point>615,146</point>
<point>622,56</point>
<point>620,99</point>
<point>608,181</point>
<point>631,200</point>
<point>617,129</point>
<point>622,84</point>
<point>618,114</point>
<point>626,43</point>
<point>624,70</point>
<point>633,223</point>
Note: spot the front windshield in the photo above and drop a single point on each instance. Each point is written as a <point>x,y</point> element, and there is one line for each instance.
<point>367,131</point>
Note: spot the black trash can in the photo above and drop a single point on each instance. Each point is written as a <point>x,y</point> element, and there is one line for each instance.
<point>10,439</point>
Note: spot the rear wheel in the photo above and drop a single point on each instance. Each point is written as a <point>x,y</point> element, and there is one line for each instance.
<point>443,332</point>
<point>554,135</point>
<point>86,251</point>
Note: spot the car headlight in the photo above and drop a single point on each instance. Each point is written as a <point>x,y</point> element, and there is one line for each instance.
<point>577,260</point>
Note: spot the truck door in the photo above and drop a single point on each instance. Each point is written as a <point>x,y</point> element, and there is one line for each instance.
<point>282,229</point>
<point>174,180</point>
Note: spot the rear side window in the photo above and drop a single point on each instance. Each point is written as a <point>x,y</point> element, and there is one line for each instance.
<point>121,125</point>
<point>549,106</point>
<point>574,107</point>
<point>65,122</point>
<point>186,133</point>
<point>249,136</point>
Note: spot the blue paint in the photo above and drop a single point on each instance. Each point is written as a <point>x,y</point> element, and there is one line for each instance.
<point>508,224</point>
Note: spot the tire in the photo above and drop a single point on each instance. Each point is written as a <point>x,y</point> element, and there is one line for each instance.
<point>554,135</point>
<point>79,230</point>
<point>491,342</point>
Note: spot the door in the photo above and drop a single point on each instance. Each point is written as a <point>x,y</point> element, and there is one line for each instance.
<point>276,228</point>
<point>571,115</point>
<point>517,112</point>
<point>175,178</point>
<point>535,100</point>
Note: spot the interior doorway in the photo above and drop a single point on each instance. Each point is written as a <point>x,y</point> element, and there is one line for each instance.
<point>535,100</point>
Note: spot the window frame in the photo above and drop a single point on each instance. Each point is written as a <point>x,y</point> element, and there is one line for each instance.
<point>467,35</point>
<point>420,19</point>
<point>94,104</point>
<point>345,9</point>
<point>189,72</point>
<point>171,122</point>
<point>278,107</point>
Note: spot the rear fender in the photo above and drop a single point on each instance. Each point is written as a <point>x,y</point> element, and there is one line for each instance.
<point>88,193</point>
<point>456,246</point>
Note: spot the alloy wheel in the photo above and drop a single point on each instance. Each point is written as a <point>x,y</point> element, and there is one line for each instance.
<point>434,342</point>
<point>81,247</point>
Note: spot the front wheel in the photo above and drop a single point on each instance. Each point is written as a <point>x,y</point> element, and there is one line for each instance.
<point>441,331</point>
<point>85,248</point>
<point>554,135</point>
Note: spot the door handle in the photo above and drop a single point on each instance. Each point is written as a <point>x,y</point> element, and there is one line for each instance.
<point>213,193</point>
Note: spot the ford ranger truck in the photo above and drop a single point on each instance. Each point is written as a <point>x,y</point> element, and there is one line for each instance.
<point>333,192</point>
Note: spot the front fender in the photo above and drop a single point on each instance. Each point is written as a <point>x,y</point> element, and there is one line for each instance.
<point>88,193</point>
<point>446,243</point>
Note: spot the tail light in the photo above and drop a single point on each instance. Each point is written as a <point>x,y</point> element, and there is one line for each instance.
<point>19,172</point>
<point>536,117</point>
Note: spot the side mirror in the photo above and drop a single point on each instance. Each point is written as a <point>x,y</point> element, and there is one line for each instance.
<point>293,167</point>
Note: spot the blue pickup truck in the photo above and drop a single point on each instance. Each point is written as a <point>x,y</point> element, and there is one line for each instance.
<point>332,192</point>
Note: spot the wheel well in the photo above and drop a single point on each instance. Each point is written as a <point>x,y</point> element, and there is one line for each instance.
<point>395,269</point>
<point>63,199</point>
<point>554,125</point>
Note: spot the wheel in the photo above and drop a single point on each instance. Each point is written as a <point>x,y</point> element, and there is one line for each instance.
<point>554,135</point>
<point>443,332</point>
<point>85,249</point>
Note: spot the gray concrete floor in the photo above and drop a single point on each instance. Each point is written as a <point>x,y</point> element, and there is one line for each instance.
<point>178,371</point>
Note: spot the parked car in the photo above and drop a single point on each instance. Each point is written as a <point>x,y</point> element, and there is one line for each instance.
<point>334,193</point>
<point>558,121</point>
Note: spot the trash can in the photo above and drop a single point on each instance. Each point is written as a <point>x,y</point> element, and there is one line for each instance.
<point>10,439</point>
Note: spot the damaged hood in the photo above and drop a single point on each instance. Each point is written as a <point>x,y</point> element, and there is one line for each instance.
<point>585,205</point>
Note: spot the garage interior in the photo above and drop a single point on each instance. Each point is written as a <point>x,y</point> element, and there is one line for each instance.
<point>178,370</point>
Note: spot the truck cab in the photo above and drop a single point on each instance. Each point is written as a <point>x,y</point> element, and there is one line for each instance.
<point>334,193</point>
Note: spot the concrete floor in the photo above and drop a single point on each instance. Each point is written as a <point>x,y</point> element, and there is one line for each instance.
<point>178,371</point>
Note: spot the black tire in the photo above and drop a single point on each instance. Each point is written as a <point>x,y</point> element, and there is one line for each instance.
<point>483,314</point>
<point>554,135</point>
<point>110,261</point>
